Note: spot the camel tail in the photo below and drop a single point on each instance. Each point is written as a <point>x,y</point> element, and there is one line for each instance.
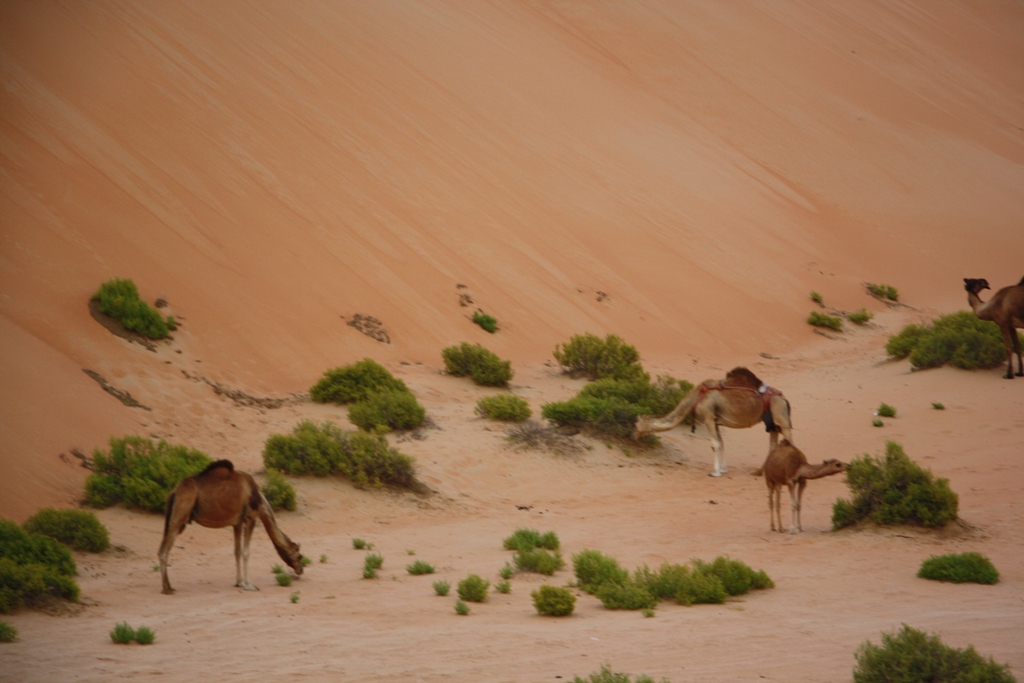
<point>679,413</point>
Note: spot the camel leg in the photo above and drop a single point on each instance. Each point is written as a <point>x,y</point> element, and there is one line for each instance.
<point>796,490</point>
<point>774,495</point>
<point>717,447</point>
<point>1016,349</point>
<point>165,550</point>
<point>243,536</point>
<point>1010,342</point>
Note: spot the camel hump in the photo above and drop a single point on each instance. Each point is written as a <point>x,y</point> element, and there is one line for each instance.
<point>742,377</point>
<point>1021,283</point>
<point>226,464</point>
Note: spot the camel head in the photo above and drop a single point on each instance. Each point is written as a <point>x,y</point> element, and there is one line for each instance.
<point>833,466</point>
<point>290,554</point>
<point>975,285</point>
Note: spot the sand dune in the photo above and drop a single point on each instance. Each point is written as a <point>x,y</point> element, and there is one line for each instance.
<point>679,174</point>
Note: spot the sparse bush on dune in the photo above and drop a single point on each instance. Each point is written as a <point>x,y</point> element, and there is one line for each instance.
<point>824,320</point>
<point>972,567</point>
<point>860,317</point>
<point>589,355</point>
<point>894,490</point>
<point>119,298</point>
<point>140,472</point>
<point>33,567</point>
<point>77,529</point>
<point>386,411</point>
<point>324,449</point>
<point>527,539</point>
<point>606,675</point>
<point>912,656</point>
<point>553,601</point>
<point>961,339</point>
<point>505,407</point>
<point>487,322</point>
<point>355,382</point>
<point>883,291</point>
<point>8,634</point>
<point>473,588</point>
<point>279,492</point>
<point>473,360</point>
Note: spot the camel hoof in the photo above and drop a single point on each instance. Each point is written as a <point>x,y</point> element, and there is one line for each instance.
<point>714,474</point>
<point>168,591</point>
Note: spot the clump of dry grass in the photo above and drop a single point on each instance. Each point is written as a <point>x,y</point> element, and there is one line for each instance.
<point>532,435</point>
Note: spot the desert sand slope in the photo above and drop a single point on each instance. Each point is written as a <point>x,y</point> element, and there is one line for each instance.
<point>679,174</point>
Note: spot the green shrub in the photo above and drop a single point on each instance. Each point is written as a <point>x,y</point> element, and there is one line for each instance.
<point>78,529</point>
<point>32,568</point>
<point>442,587</point>
<point>960,339</point>
<point>884,292</point>
<point>628,595</point>
<point>553,601</point>
<point>355,382</point>
<point>593,569</point>
<point>24,548</point>
<point>969,567</point>
<point>912,656</point>
<point>8,634</point>
<point>700,588</point>
<point>473,588</point>
<point>473,360</point>
<point>360,544</point>
<point>140,472</point>
<point>737,577</point>
<point>324,449</point>
<point>419,567</point>
<point>506,572</point>
<point>706,582</point>
<point>816,298</point>
<point>488,322</point>
<point>279,492</point>
<point>824,320</point>
<point>144,635</point>
<point>877,423</point>
<point>894,490</point>
<point>387,411</point>
<point>461,608</point>
<point>503,587</point>
<point>507,407</point>
<point>608,417</point>
<point>886,410</point>
<point>294,597</point>
<point>860,317</point>
<point>371,564</point>
<point>122,633</point>
<point>538,560</point>
<point>283,579</point>
<point>938,406</point>
<point>664,583</point>
<point>525,539</point>
<point>120,300</point>
<point>589,355</point>
<point>606,675</point>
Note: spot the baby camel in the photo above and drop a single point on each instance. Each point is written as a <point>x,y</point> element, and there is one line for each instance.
<point>1006,309</point>
<point>218,497</point>
<point>787,465</point>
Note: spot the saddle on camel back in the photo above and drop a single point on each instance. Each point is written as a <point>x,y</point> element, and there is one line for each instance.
<point>743,378</point>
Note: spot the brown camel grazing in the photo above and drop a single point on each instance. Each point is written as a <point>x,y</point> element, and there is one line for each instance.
<point>787,465</point>
<point>1006,309</point>
<point>218,497</point>
<point>739,401</point>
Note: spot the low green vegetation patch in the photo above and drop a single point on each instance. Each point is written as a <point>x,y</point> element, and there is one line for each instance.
<point>607,675</point>
<point>279,492</point>
<point>534,551</point>
<point>386,411</point>
<point>611,406</point>
<point>506,407</point>
<point>971,567</point>
<point>473,588</point>
<point>140,472</point>
<point>596,358</point>
<point>325,449</point>
<point>525,539</point>
<point>77,529</point>
<point>355,382</point>
<point>913,656</point>
<point>8,634</point>
<point>816,298</point>
<point>961,339</point>
<point>122,633</point>
<point>825,320</point>
<point>475,361</point>
<point>419,567</point>
<point>894,490</point>
<point>371,564</point>
<point>442,587</point>
<point>554,601</point>
<point>487,322</point>
<point>882,291</point>
<point>886,410</point>
<point>461,608</point>
<point>33,568</point>
<point>860,317</point>
<point>119,298</point>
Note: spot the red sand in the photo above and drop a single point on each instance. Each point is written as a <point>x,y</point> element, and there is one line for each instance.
<point>680,175</point>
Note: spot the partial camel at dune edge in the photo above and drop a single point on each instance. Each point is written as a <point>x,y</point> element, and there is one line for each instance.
<point>787,466</point>
<point>217,497</point>
<point>739,401</point>
<point>1006,309</point>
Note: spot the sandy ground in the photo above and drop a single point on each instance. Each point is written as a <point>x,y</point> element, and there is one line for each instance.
<point>679,174</point>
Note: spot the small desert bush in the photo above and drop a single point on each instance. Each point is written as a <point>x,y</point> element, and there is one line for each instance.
<point>912,656</point>
<point>361,544</point>
<point>387,411</point>
<point>473,588</point>
<point>506,571</point>
<point>23,547</point>
<point>877,423</point>
<point>886,410</point>
<point>628,595</point>
<point>140,472</point>
<point>461,608</point>
<point>538,560</point>
<point>355,382</point>
<point>77,529</point>
<point>606,675</point>
<point>119,298</point>
<point>488,322</point>
<point>371,564</point>
<point>894,490</point>
<point>589,355</point>
<point>860,317</point>
<point>938,406</point>
<point>816,298</point>
<point>969,567</point>
<point>525,539</point>
<point>419,567</point>
<point>32,568</point>
<point>442,587</point>
<point>960,339</point>
<point>122,634</point>
<point>884,292</point>
<point>737,577</point>
<point>8,634</point>
<point>503,587</point>
<point>324,449</point>
<point>279,492</point>
<point>473,360</point>
<point>593,569</point>
<point>825,320</point>
<point>553,601</point>
<point>507,407</point>
<point>283,579</point>
<point>144,635</point>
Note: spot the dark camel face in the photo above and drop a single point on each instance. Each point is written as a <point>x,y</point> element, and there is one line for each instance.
<point>835,465</point>
<point>975,285</point>
<point>292,556</point>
